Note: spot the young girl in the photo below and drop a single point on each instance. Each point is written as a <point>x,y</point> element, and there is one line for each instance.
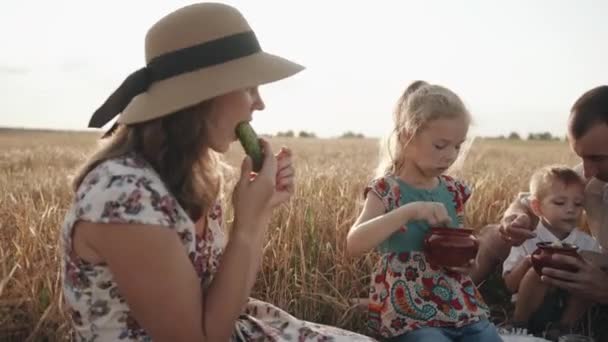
<point>410,300</point>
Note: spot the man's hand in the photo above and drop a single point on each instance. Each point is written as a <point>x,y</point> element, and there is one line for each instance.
<point>589,281</point>
<point>516,228</point>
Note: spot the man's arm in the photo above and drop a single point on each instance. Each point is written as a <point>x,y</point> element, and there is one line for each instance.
<point>515,275</point>
<point>493,250</point>
<point>495,241</point>
<point>512,221</point>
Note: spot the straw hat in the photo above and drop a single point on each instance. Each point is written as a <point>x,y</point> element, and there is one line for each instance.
<point>193,54</point>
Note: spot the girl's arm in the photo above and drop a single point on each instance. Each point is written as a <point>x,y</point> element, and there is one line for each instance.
<point>373,226</point>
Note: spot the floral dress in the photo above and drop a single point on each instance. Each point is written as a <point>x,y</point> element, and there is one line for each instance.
<point>127,190</point>
<point>407,292</point>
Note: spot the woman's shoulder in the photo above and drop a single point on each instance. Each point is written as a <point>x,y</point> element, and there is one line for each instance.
<point>119,172</point>
<point>130,163</point>
<point>126,189</point>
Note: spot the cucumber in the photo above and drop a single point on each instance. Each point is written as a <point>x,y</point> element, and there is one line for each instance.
<point>251,144</point>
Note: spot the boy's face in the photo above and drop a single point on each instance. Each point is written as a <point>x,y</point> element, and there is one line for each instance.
<point>562,206</point>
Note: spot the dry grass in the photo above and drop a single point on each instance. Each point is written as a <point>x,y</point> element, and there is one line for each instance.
<point>305,267</point>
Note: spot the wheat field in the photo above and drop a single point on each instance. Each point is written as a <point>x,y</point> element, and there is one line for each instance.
<point>305,269</point>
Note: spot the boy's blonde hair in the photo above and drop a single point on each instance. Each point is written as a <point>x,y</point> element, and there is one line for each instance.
<point>543,179</point>
<point>419,104</point>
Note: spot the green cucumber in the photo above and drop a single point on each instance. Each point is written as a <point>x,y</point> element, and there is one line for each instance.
<point>251,144</point>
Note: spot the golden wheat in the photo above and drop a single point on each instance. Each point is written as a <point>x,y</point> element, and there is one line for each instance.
<point>305,268</point>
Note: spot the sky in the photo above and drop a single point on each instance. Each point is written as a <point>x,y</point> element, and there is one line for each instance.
<point>518,64</point>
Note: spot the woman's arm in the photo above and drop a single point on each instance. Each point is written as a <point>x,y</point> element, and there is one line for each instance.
<point>156,278</point>
<point>231,287</point>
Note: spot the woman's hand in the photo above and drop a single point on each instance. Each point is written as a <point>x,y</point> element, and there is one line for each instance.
<point>285,185</point>
<point>253,194</point>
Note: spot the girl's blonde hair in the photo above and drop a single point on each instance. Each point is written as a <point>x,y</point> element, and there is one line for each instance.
<point>419,104</point>
<point>176,147</point>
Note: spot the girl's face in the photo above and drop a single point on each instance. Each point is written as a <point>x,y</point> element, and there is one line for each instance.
<point>436,145</point>
<point>226,112</point>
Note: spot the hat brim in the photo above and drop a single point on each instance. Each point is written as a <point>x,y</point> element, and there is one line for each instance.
<point>185,90</point>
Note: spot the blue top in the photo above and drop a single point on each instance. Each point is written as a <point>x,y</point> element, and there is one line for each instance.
<point>412,238</point>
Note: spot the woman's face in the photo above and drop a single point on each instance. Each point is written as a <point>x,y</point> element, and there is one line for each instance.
<point>226,112</point>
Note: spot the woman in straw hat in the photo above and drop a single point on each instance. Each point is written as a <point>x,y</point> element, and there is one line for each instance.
<point>144,252</point>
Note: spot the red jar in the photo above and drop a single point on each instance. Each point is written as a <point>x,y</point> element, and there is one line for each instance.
<point>541,257</point>
<point>450,247</point>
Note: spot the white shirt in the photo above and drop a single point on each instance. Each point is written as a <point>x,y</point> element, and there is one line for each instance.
<point>584,241</point>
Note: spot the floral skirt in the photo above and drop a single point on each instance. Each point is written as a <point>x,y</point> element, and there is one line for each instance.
<point>407,293</point>
<point>262,321</point>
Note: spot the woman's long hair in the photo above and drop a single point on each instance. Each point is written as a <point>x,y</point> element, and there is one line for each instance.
<point>176,147</point>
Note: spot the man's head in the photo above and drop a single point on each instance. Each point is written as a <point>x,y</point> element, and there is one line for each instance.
<point>588,131</point>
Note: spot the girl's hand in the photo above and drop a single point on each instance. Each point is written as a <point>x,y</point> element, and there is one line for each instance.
<point>434,213</point>
<point>254,193</point>
<point>285,185</point>
<point>466,269</point>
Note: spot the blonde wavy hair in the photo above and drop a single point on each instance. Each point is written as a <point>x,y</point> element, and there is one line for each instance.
<point>543,179</point>
<point>176,147</point>
<point>419,104</point>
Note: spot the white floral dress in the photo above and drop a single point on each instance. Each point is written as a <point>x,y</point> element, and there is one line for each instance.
<point>127,190</point>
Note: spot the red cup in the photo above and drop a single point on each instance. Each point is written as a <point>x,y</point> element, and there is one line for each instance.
<point>450,247</point>
<point>542,256</point>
